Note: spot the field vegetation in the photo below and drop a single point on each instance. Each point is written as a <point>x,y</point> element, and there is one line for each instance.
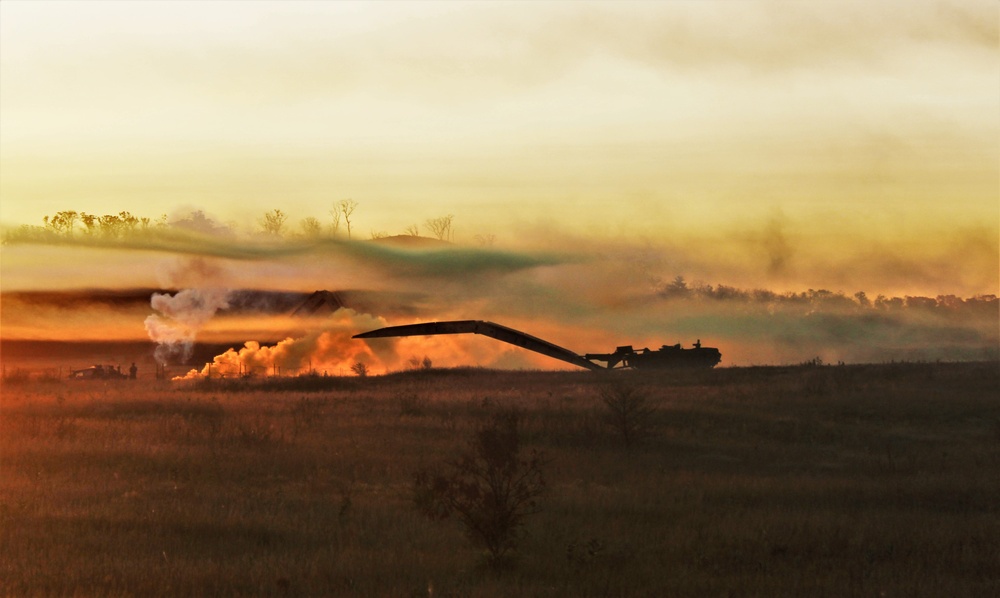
<point>814,480</point>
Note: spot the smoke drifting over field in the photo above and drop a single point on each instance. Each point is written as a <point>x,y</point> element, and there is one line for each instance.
<point>764,293</point>
<point>750,327</point>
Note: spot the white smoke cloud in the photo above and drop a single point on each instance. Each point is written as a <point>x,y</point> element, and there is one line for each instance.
<point>180,317</point>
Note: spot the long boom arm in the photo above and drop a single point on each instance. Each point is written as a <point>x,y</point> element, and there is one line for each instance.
<point>490,329</point>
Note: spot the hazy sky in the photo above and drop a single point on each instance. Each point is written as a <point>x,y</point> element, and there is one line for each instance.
<point>609,147</point>
<point>600,118</point>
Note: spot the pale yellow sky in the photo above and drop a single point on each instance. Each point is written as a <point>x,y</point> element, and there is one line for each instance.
<point>650,119</point>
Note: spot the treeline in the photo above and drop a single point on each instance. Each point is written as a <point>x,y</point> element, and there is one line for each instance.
<point>73,225</point>
<point>824,300</point>
<point>272,225</point>
<point>69,224</point>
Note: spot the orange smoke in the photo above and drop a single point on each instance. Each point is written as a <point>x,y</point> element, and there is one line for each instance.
<point>332,351</point>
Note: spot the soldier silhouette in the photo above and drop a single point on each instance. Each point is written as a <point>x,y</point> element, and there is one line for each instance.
<point>132,371</point>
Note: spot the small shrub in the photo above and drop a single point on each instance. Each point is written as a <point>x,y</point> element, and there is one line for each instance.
<point>628,410</point>
<point>582,555</point>
<point>411,404</point>
<point>255,432</point>
<point>361,369</point>
<point>306,413</point>
<point>346,491</point>
<point>421,364</point>
<point>490,489</point>
<point>203,420</point>
<point>64,426</point>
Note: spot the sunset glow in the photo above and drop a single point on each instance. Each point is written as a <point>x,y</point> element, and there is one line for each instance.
<point>589,153</point>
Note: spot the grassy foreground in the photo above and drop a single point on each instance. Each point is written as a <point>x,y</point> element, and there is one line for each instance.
<point>809,481</point>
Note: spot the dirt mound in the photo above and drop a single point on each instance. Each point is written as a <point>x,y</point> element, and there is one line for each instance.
<point>319,303</point>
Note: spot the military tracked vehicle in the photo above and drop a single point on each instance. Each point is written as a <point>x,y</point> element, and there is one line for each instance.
<point>98,372</point>
<point>666,357</point>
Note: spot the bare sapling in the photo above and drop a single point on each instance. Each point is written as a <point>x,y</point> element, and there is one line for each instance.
<point>490,488</point>
<point>628,410</point>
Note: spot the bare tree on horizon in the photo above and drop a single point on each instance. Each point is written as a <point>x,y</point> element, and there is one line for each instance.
<point>347,207</point>
<point>486,240</point>
<point>441,227</point>
<point>335,214</point>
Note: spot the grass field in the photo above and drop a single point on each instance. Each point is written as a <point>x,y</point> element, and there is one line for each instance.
<point>879,480</point>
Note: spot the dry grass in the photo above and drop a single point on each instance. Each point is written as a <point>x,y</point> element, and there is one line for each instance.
<point>817,481</point>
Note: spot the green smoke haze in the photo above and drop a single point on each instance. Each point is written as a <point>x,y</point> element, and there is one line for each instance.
<point>588,296</point>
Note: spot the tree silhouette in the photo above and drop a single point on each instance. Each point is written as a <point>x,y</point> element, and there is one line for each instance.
<point>440,227</point>
<point>128,223</point>
<point>677,288</point>
<point>89,223</point>
<point>114,226</point>
<point>335,224</point>
<point>311,227</point>
<point>273,222</point>
<point>347,207</point>
<point>62,223</point>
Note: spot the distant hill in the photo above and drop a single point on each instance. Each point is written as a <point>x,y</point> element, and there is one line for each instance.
<point>413,242</point>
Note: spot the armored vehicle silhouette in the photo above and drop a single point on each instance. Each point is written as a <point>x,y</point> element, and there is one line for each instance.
<point>666,357</point>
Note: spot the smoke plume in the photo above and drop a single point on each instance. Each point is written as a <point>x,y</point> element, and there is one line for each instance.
<point>180,317</point>
<point>328,351</point>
